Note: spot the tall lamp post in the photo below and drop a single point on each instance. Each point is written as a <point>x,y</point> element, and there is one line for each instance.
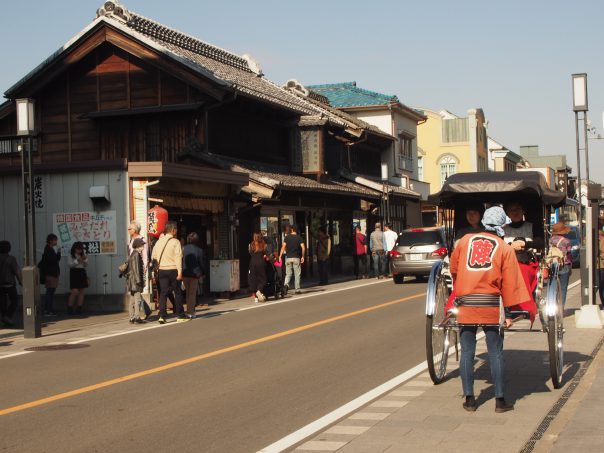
<point>589,315</point>
<point>26,129</point>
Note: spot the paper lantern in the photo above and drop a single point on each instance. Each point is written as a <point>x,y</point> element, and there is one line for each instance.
<point>157,218</point>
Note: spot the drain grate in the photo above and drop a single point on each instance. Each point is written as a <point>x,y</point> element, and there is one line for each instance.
<point>551,415</point>
<point>57,347</point>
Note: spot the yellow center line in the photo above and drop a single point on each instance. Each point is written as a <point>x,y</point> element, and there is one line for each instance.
<point>169,366</point>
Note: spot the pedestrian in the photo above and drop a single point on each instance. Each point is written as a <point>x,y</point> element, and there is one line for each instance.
<point>360,253</point>
<point>10,274</point>
<point>50,271</point>
<point>376,245</point>
<point>167,254</point>
<point>78,279</point>
<point>134,232</point>
<point>390,238</point>
<point>520,232</point>
<point>257,274</point>
<point>323,254</point>
<point>601,260</point>
<point>193,270</point>
<point>558,240</point>
<point>294,249</point>
<point>484,270</point>
<point>135,280</point>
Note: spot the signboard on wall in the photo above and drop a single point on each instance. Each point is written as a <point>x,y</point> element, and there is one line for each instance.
<point>96,230</point>
<point>310,147</point>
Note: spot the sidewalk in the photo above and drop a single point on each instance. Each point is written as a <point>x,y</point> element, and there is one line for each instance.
<point>419,416</point>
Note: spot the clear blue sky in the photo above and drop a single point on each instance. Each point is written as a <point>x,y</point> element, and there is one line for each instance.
<point>514,59</point>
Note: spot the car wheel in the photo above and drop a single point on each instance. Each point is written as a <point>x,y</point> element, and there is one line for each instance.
<point>398,279</point>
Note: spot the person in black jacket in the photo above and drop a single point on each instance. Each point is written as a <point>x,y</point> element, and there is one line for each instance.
<point>50,271</point>
<point>10,274</point>
<point>135,281</point>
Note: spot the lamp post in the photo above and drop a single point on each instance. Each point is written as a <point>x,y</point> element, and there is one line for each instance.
<point>26,129</point>
<point>385,194</point>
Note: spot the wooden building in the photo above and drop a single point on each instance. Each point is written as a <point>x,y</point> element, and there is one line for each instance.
<point>156,116</point>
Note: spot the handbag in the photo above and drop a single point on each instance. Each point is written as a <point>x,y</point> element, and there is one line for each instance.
<point>123,268</point>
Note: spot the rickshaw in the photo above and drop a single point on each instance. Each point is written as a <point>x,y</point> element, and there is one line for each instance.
<point>494,188</point>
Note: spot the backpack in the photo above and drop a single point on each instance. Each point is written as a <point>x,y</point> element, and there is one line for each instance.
<point>554,254</point>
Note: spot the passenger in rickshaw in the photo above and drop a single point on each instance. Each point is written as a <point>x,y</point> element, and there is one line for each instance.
<point>520,234</point>
<point>485,270</point>
<point>473,214</point>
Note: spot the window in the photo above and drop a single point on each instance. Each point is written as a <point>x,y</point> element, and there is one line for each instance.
<point>455,130</point>
<point>420,168</point>
<point>448,167</point>
<point>406,152</point>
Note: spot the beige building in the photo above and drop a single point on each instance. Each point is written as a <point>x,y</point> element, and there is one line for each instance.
<point>448,144</point>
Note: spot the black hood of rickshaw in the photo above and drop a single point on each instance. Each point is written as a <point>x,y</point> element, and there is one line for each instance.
<point>497,186</point>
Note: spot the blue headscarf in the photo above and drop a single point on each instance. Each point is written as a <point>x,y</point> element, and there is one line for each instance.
<point>493,220</point>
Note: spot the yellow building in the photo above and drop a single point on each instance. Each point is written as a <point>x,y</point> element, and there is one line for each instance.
<point>448,144</point>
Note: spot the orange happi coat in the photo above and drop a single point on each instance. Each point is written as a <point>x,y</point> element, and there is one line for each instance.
<point>483,263</point>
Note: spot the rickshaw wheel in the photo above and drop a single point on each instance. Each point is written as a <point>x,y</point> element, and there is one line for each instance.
<point>438,337</point>
<point>555,334</point>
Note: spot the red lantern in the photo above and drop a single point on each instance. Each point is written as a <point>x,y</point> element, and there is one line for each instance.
<point>156,220</point>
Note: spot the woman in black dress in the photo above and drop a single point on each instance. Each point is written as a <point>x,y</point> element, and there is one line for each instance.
<point>257,275</point>
<point>78,279</point>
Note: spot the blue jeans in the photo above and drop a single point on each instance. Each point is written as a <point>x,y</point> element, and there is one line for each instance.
<point>379,261</point>
<point>496,361</point>
<point>292,266</point>
<point>564,276</point>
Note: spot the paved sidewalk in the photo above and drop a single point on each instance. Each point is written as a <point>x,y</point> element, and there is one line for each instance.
<point>419,416</point>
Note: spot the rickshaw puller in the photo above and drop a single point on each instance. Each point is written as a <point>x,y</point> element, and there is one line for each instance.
<point>485,269</point>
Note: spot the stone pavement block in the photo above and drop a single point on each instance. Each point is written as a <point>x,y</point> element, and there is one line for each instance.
<point>352,430</point>
<point>320,446</point>
<point>373,446</point>
<point>353,422</point>
<point>406,393</point>
<point>389,403</point>
<point>369,416</point>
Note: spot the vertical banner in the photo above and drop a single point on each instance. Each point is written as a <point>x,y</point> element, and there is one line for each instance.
<point>96,230</point>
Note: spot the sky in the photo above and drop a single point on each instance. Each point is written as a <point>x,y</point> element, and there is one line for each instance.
<point>513,59</point>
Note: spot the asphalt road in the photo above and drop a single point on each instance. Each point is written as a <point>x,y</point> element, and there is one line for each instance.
<point>224,400</point>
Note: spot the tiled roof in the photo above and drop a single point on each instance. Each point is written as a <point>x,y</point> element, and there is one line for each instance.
<point>347,94</point>
<point>378,185</point>
<point>279,177</point>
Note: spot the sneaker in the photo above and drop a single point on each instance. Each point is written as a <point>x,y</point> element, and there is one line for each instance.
<point>140,321</point>
<point>191,316</point>
<point>185,319</point>
<point>132,320</point>
<point>470,404</point>
<point>161,320</point>
<point>501,406</point>
<point>261,297</point>
<point>298,291</point>
<point>256,300</point>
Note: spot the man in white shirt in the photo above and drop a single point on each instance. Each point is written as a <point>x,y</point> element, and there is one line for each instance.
<point>390,238</point>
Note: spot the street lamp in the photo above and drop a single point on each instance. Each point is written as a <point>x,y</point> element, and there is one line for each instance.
<point>26,129</point>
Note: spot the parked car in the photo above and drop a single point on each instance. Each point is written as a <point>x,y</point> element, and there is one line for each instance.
<point>573,236</point>
<point>416,250</point>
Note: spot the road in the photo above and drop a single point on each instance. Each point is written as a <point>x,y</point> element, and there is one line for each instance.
<point>231,383</point>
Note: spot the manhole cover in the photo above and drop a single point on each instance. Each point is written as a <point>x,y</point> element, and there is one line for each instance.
<point>57,347</point>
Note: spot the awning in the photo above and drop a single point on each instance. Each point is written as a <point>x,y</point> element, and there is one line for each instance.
<point>189,172</point>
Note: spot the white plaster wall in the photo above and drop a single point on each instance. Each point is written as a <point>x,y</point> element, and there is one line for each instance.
<point>68,192</point>
<point>381,120</point>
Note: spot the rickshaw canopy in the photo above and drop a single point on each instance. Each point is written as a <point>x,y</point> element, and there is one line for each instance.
<point>497,186</point>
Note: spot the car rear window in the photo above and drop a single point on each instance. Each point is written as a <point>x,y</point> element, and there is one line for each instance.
<point>419,238</point>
